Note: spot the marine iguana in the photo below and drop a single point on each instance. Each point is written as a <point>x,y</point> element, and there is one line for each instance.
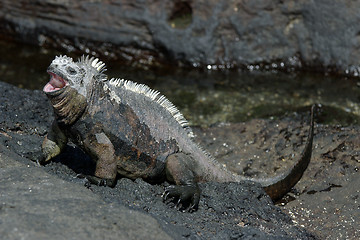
<point>133,131</point>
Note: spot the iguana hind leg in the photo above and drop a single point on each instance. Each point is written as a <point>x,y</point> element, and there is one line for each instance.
<point>186,188</point>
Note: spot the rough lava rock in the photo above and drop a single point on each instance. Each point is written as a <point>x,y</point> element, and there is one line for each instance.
<point>219,34</point>
<point>38,205</point>
<point>38,202</point>
<point>325,201</point>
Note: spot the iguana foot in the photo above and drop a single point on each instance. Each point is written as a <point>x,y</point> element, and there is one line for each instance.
<point>37,156</point>
<point>98,181</point>
<point>186,191</point>
<point>183,194</point>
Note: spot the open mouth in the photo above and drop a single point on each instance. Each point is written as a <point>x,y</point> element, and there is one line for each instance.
<point>55,84</point>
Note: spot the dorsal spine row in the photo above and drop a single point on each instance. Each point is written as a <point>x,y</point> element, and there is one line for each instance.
<point>155,96</point>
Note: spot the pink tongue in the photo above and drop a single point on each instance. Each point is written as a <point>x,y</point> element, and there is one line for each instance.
<point>57,82</point>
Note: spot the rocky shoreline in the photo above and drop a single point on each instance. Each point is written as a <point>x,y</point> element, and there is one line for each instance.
<point>49,201</point>
<point>60,205</point>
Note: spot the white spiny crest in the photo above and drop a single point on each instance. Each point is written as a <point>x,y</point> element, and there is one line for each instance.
<point>62,59</point>
<point>208,155</point>
<point>93,62</point>
<point>154,96</point>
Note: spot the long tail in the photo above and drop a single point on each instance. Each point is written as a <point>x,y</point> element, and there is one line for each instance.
<point>278,186</point>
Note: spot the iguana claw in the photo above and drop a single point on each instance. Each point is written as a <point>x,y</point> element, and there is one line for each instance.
<point>184,194</point>
<point>97,181</point>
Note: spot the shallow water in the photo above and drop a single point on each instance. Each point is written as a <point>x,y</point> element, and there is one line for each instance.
<point>207,96</point>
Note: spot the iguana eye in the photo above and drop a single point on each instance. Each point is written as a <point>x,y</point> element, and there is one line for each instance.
<point>71,71</point>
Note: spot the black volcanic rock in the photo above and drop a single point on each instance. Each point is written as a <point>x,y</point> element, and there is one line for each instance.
<point>39,202</point>
<point>42,202</point>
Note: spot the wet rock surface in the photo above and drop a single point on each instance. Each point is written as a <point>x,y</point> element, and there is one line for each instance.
<point>326,199</point>
<point>218,34</point>
<point>57,203</point>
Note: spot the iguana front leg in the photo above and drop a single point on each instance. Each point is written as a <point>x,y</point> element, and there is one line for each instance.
<point>53,144</point>
<point>186,188</point>
<point>101,148</point>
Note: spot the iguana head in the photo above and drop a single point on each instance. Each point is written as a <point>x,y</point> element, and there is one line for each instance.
<point>64,73</point>
<point>70,82</point>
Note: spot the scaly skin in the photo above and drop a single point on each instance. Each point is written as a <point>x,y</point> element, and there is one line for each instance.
<point>133,131</point>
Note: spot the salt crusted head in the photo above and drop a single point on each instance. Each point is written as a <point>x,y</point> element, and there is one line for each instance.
<point>64,73</point>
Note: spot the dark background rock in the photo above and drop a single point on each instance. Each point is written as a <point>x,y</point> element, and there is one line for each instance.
<point>285,35</point>
<point>41,202</point>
